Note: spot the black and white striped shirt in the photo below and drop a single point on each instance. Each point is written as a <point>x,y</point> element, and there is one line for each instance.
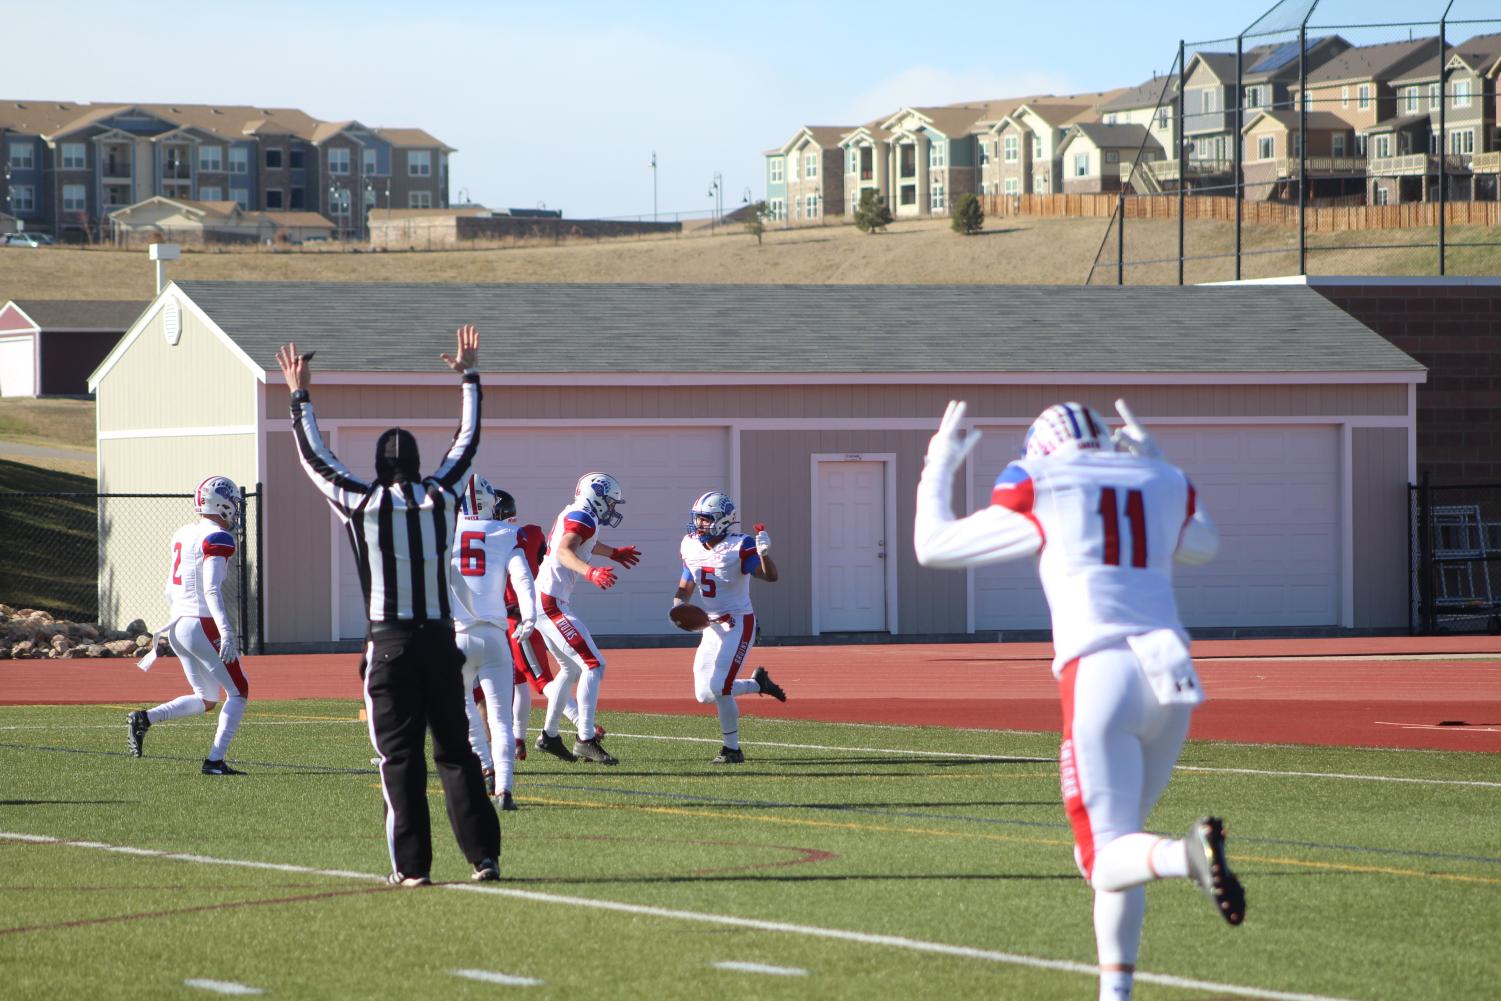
<point>401,534</point>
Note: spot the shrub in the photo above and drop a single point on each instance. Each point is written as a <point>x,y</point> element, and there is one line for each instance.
<point>871,214</point>
<point>968,217</point>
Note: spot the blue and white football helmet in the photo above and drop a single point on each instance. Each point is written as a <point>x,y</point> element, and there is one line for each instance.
<point>219,496</point>
<point>1065,429</point>
<point>601,492</point>
<point>719,509</point>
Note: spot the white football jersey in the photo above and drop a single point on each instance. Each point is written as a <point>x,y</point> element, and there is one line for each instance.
<point>722,572</point>
<point>1108,524</point>
<point>484,558</point>
<point>192,545</point>
<point>554,578</point>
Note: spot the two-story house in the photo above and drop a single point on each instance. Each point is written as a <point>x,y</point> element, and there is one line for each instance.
<point>1091,154</point>
<point>1154,105</point>
<point>1027,142</point>
<point>805,176</point>
<point>1487,165</point>
<point>69,166</point>
<point>1273,155</point>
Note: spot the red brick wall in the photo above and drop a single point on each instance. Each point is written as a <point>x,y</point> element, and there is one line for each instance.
<point>1455,330</point>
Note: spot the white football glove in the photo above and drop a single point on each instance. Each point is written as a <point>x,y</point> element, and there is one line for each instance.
<point>229,646</point>
<point>524,629</point>
<point>948,448</point>
<point>763,541</point>
<point>1132,437</point>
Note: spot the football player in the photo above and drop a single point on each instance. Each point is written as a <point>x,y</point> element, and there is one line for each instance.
<point>596,506</point>
<point>719,564</point>
<point>199,629</point>
<point>1109,516</point>
<point>489,570</point>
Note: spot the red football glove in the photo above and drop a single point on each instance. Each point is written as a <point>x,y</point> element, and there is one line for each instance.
<point>626,556</point>
<point>602,577</point>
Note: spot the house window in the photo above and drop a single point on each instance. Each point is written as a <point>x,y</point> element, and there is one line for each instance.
<point>984,154</point>
<point>909,194</point>
<point>1383,146</point>
<point>1266,147</point>
<point>1164,115</point>
<point>854,161</point>
<point>1037,147</point>
<point>1253,97</point>
<point>241,197</point>
<point>937,195</point>
<point>420,164</point>
<point>1012,145</point>
<point>74,198</point>
<point>1111,118</point>
<point>1344,97</point>
<point>811,206</point>
<point>368,162</point>
<point>1410,95</point>
<point>273,198</point>
<point>1297,144</point>
<point>937,151</point>
<point>1434,93</point>
<point>792,173</point>
<point>419,199</point>
<point>297,199</point>
<point>775,166</point>
<point>1210,96</point>
<point>1360,145</point>
<point>295,159</point>
<point>1081,164</point>
<point>1462,142</point>
<point>810,165</point>
<point>1461,93</point>
<point>211,158</point>
<point>1013,186</point>
<point>273,160</point>
<point>1338,144</point>
<point>239,160</point>
<point>338,161</point>
<point>21,156</point>
<point>778,208</point>
<point>211,193</point>
<point>1383,197</point>
<point>1112,156</point>
<point>1363,96</point>
<point>73,156</point>
<point>22,198</point>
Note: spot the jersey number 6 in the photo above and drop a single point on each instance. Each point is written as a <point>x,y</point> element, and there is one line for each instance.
<point>472,554</point>
<point>1136,514</point>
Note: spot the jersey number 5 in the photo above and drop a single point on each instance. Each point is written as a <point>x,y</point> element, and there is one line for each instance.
<point>472,554</point>
<point>1136,514</point>
<point>706,584</point>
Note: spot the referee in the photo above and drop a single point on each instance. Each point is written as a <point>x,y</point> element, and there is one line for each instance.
<point>401,527</point>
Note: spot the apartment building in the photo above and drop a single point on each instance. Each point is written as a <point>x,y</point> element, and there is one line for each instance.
<point>805,176</point>
<point>67,167</point>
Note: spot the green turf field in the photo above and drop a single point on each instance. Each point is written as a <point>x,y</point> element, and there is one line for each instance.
<point>860,862</point>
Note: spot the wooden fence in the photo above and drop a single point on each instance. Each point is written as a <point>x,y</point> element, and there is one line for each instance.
<point>1321,218</point>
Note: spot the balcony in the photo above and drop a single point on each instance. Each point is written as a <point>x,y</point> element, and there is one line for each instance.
<point>1487,163</point>
<point>1288,166</point>
<point>1167,170</point>
<point>1412,164</point>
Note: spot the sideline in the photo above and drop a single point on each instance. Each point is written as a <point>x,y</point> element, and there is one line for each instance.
<point>811,931</point>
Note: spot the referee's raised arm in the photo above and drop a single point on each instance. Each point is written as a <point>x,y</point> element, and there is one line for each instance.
<point>455,467</point>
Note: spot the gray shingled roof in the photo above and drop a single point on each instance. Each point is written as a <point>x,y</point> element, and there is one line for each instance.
<point>1372,62</point>
<point>801,328</point>
<point>1158,90</point>
<point>82,314</point>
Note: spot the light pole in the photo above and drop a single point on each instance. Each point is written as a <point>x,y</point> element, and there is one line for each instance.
<point>716,192</point>
<point>368,203</point>
<point>653,185</point>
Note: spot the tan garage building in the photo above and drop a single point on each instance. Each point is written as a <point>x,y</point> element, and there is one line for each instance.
<point>812,406</point>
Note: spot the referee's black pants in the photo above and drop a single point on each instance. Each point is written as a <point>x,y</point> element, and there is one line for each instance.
<point>413,683</point>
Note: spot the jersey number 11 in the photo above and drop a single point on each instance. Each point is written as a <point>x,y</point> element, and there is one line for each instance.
<point>1136,514</point>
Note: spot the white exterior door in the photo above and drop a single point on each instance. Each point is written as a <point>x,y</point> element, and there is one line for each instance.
<point>17,367</point>
<point>1274,494</point>
<point>850,546</point>
<point>661,472</point>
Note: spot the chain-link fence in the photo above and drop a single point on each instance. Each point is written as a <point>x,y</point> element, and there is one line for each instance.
<point>1305,146</point>
<point>1456,558</point>
<point>103,558</point>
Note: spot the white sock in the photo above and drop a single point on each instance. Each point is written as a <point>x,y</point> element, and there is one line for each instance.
<point>229,725</point>
<point>1115,985</point>
<point>183,705</point>
<point>729,720</point>
<point>1170,859</point>
<point>555,703</point>
<point>521,710</point>
<point>1125,862</point>
<point>1118,919</point>
<point>588,700</point>
<point>744,686</point>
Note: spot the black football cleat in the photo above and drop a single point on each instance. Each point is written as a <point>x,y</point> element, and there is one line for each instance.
<point>767,686</point>
<point>554,745</point>
<point>486,871</point>
<point>1208,867</point>
<point>593,750</point>
<point>401,879</point>
<point>135,736</point>
<point>219,768</point>
<point>729,756</point>
<point>507,802</point>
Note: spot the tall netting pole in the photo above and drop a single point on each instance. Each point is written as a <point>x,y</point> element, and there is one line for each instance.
<point>1443,173</point>
<point>1182,154</point>
<point>1303,147</point>
<point>1240,103</point>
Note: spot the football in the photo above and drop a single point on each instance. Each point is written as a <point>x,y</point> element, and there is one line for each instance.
<point>689,618</point>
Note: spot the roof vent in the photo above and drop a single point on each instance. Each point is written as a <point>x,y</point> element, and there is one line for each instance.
<point>172,322</point>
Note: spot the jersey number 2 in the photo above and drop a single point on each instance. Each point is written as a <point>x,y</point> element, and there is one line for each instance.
<point>706,585</point>
<point>177,562</point>
<point>472,554</point>
<point>1136,514</point>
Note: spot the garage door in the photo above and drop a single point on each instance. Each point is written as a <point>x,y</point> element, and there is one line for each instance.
<point>1273,492</point>
<point>661,472</point>
<point>17,367</point>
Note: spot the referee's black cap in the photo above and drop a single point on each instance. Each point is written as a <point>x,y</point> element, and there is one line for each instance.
<point>396,458</point>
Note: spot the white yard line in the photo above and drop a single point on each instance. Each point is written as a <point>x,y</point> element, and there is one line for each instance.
<point>491,977</point>
<point>775,971</point>
<point>224,987</point>
<point>756,924</point>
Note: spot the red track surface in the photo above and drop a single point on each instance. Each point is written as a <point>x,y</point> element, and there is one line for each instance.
<point>1373,692</point>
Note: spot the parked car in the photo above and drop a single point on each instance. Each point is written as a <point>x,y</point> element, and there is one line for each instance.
<point>28,240</point>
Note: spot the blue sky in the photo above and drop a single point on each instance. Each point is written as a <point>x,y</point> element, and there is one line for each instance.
<point>563,103</point>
